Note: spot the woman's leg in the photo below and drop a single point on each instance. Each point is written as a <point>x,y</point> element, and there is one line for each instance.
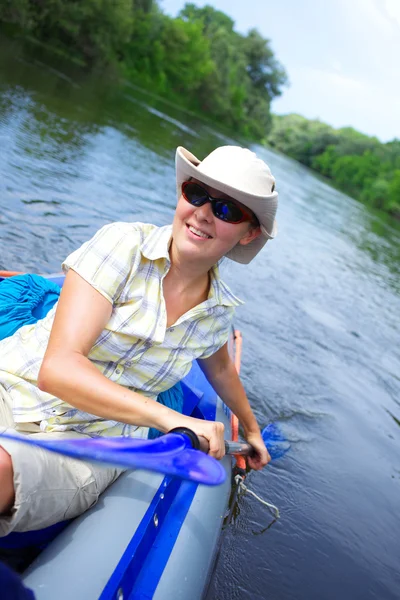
<point>6,482</point>
<point>39,488</point>
<point>7,492</point>
<point>50,487</point>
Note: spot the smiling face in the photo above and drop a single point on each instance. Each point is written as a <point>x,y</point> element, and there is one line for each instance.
<point>198,234</point>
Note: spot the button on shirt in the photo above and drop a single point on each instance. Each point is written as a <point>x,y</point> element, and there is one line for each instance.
<point>126,263</point>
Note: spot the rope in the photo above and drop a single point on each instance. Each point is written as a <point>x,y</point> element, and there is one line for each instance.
<point>243,489</point>
<point>240,460</point>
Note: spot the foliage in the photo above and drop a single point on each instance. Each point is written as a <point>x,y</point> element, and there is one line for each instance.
<point>246,75</point>
<point>196,59</point>
<point>357,164</point>
<point>95,30</point>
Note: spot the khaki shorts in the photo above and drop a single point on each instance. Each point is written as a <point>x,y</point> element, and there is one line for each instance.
<point>48,487</point>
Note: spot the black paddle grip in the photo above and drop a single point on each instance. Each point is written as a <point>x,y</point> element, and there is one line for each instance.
<point>194,440</point>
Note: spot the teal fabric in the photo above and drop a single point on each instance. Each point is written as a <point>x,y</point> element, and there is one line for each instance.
<point>173,398</point>
<point>25,299</point>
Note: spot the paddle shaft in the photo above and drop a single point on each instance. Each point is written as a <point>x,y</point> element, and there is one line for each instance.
<point>198,442</point>
<point>231,447</point>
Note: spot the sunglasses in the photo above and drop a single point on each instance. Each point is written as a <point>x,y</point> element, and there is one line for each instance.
<point>224,209</point>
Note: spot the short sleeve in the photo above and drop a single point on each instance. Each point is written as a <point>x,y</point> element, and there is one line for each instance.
<point>220,331</point>
<point>107,260</point>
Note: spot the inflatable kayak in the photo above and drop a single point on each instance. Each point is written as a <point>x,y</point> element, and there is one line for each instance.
<point>149,536</point>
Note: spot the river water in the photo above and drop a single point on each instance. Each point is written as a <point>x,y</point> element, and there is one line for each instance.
<point>320,325</point>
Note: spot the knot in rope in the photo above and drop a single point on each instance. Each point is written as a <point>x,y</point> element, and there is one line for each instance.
<point>243,489</point>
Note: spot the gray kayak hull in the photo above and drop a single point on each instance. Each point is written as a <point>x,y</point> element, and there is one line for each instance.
<point>91,558</point>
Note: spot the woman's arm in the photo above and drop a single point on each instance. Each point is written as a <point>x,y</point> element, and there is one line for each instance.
<point>221,373</point>
<point>66,372</point>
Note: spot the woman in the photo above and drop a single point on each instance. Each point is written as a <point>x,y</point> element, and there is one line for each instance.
<point>138,305</point>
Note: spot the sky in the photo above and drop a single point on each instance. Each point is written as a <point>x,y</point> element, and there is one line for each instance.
<point>342,57</point>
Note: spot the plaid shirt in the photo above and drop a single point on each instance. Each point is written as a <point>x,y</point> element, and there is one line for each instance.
<point>126,263</point>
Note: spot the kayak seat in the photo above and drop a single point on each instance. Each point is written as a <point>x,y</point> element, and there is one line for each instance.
<point>191,397</point>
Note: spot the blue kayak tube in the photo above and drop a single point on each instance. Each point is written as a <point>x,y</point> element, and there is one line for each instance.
<point>149,535</point>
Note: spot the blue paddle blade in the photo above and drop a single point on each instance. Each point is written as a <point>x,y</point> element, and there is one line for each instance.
<point>276,443</point>
<point>169,454</point>
<point>197,466</point>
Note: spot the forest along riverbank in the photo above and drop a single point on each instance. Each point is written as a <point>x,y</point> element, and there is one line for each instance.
<point>200,62</point>
<point>197,59</point>
<point>357,164</point>
<point>320,323</point>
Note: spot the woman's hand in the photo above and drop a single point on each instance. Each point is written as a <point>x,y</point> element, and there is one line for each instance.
<point>213,432</point>
<point>221,373</point>
<point>261,456</point>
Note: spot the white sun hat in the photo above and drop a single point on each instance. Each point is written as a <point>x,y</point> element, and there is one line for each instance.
<point>243,176</point>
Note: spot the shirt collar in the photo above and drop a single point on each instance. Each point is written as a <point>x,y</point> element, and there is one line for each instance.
<point>220,291</point>
<point>156,245</point>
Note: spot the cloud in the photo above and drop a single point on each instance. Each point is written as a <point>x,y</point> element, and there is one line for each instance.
<point>371,12</point>
<point>391,10</point>
<point>336,65</point>
<point>326,81</point>
<point>356,81</point>
<point>336,80</point>
<point>341,100</point>
<point>379,16</point>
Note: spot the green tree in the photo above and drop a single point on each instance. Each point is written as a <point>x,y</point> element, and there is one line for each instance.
<point>377,193</point>
<point>95,30</point>
<point>301,138</point>
<point>212,19</point>
<point>358,164</point>
<point>187,58</point>
<point>197,59</point>
<point>394,194</point>
<point>246,75</point>
<point>324,162</point>
<point>145,6</point>
<point>264,71</point>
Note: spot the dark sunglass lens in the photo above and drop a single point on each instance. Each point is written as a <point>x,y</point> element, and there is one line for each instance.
<point>195,194</point>
<point>228,211</point>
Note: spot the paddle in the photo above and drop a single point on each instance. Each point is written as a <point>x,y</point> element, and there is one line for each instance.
<point>275,442</point>
<point>170,454</point>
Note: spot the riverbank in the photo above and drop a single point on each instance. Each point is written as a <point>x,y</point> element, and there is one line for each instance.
<point>357,164</point>
<point>199,63</point>
<point>197,60</point>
